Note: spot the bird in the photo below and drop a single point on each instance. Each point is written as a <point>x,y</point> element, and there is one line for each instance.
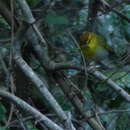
<point>93,45</point>
<point>95,48</point>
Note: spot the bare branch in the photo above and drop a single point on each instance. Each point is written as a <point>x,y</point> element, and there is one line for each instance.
<point>115,11</point>
<point>112,84</point>
<point>35,79</point>
<point>29,109</point>
<point>75,100</point>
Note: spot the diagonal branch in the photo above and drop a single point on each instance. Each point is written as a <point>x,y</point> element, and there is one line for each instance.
<point>33,77</point>
<point>76,101</point>
<point>29,72</point>
<point>29,109</point>
<point>112,84</point>
<point>104,2</point>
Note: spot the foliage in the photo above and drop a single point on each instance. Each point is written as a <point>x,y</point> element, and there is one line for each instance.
<point>3,119</point>
<point>2,113</point>
<point>33,3</point>
<point>30,126</point>
<point>123,120</point>
<point>53,18</point>
<point>63,25</point>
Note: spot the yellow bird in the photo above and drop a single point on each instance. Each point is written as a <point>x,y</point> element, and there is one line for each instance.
<point>93,46</point>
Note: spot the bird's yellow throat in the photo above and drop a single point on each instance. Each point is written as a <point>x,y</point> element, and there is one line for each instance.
<point>93,46</point>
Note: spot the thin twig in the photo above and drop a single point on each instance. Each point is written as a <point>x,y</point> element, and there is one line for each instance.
<point>11,81</point>
<point>110,112</point>
<point>104,2</point>
<point>29,109</point>
<point>81,53</point>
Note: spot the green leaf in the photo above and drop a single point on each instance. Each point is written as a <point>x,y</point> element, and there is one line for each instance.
<point>33,3</point>
<point>123,122</point>
<point>53,18</point>
<point>2,113</point>
<point>3,128</point>
<point>30,126</point>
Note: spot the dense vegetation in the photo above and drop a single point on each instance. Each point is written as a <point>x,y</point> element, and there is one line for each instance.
<point>64,64</point>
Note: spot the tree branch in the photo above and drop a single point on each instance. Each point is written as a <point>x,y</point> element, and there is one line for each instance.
<point>115,11</point>
<point>29,109</point>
